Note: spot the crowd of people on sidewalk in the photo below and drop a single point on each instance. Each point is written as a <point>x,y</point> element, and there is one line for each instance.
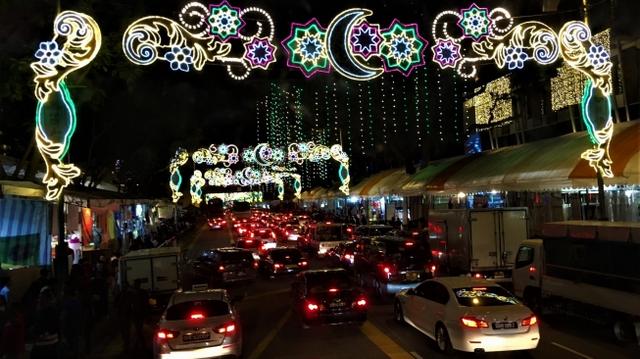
<point>56,319</point>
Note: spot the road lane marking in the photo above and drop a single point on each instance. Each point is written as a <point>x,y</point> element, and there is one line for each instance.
<point>266,294</point>
<point>571,350</point>
<point>384,343</point>
<point>257,352</point>
<point>415,355</point>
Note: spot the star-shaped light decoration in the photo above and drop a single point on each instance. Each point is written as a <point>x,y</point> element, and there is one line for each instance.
<point>475,22</point>
<point>402,48</point>
<point>305,47</point>
<point>259,52</point>
<point>365,40</point>
<point>224,21</point>
<point>446,53</point>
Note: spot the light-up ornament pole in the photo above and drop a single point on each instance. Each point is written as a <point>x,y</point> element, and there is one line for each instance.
<point>75,44</point>
<point>494,38</point>
<point>204,35</point>
<point>175,179</point>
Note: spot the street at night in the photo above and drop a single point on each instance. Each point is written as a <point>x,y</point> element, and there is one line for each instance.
<point>311,179</point>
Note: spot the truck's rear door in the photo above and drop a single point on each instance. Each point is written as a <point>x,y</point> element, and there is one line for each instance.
<point>139,268</point>
<point>484,239</point>
<point>513,232</point>
<point>165,273</point>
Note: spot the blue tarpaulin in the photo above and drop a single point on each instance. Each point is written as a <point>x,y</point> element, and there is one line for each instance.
<point>25,227</point>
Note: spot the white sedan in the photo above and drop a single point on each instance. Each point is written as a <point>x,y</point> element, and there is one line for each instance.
<point>198,324</point>
<point>467,314</point>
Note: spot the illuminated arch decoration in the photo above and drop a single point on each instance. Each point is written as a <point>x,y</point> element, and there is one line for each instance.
<point>175,180</point>
<point>76,41</point>
<point>495,38</point>
<point>204,35</point>
<point>195,187</point>
<point>299,152</point>
<point>350,44</point>
<point>226,154</point>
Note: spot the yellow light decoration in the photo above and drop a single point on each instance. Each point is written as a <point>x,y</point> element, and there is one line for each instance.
<point>197,182</point>
<point>75,44</point>
<point>491,103</point>
<point>175,181</point>
<point>251,197</point>
<point>566,88</point>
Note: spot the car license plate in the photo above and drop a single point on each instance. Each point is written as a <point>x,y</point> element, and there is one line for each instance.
<point>336,304</point>
<point>195,337</point>
<point>292,266</point>
<point>412,276</point>
<point>505,325</point>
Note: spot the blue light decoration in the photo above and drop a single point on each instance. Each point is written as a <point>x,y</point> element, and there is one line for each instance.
<point>215,34</point>
<point>473,144</point>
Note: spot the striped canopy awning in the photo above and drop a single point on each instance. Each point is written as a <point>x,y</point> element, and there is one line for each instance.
<point>25,232</point>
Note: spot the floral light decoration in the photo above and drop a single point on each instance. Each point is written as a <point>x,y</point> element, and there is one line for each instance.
<point>365,40</point>
<point>175,180</point>
<point>402,48</point>
<point>314,153</point>
<point>349,43</point>
<point>77,39</point>
<point>446,53</point>
<point>225,21</point>
<point>251,197</point>
<point>203,36</point>
<point>475,21</point>
<point>496,39</point>
<point>223,153</point>
<point>306,48</point>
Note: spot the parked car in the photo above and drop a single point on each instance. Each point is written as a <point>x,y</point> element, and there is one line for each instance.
<point>282,260</point>
<point>198,324</point>
<point>225,265</point>
<point>468,314</point>
<point>328,296</point>
<point>390,264</point>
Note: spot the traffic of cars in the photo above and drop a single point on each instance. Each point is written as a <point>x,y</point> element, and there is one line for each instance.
<point>337,271</point>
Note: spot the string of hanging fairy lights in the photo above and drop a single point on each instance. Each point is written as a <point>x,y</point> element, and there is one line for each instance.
<point>405,115</point>
<point>384,111</point>
<point>416,92</point>
<point>456,109</point>
<point>425,88</point>
<point>371,140</point>
<point>393,107</point>
<point>361,122</point>
<point>348,120</point>
<point>439,129</point>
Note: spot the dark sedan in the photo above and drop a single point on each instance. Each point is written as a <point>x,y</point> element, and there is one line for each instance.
<point>282,260</point>
<point>328,296</point>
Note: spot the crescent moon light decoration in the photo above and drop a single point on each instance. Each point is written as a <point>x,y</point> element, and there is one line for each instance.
<point>489,35</point>
<point>203,35</point>
<point>75,44</point>
<point>349,38</point>
<point>339,46</point>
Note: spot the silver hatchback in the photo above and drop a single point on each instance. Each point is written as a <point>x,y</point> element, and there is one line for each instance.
<point>199,324</point>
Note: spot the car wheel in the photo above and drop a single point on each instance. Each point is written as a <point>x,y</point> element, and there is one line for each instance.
<point>397,312</point>
<point>442,340</point>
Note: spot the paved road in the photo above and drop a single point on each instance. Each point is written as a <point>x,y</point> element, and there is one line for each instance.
<point>271,331</point>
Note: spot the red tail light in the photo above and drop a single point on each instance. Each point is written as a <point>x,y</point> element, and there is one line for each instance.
<point>473,322</point>
<point>273,235</point>
<point>196,316</point>
<point>530,321</point>
<point>348,256</point>
<point>227,328</point>
<point>333,290</point>
<point>361,302</point>
<point>252,235</point>
<point>277,265</point>
<point>311,307</point>
<point>532,269</point>
<point>249,241</point>
<point>349,230</point>
<point>303,264</point>
<point>164,334</point>
<point>255,264</point>
<point>478,275</point>
<point>409,244</point>
<point>221,268</point>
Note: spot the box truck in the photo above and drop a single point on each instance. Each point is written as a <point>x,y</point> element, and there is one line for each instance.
<point>589,269</point>
<point>479,242</point>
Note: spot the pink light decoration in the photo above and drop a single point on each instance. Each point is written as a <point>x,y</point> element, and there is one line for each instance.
<point>446,53</point>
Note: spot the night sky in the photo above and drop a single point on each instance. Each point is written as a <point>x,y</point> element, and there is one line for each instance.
<point>140,114</point>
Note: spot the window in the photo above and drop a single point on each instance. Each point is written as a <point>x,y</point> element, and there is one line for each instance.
<point>484,296</point>
<point>441,294</point>
<point>209,308</point>
<point>525,256</point>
